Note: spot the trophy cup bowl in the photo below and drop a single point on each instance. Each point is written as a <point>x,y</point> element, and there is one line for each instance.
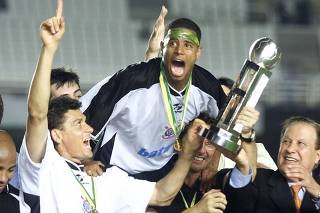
<point>265,53</point>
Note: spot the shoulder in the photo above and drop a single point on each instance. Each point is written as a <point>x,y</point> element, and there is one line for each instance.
<point>207,83</point>
<point>13,190</point>
<point>264,176</point>
<point>142,72</point>
<point>203,77</point>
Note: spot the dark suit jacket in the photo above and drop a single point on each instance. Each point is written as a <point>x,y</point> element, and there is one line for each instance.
<point>269,193</point>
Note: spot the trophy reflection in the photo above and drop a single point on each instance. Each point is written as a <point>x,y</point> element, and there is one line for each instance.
<point>246,91</point>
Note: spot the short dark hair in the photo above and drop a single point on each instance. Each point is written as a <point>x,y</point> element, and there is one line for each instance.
<point>300,119</point>
<point>61,76</point>
<point>57,108</point>
<point>1,108</point>
<point>185,23</point>
<point>224,81</point>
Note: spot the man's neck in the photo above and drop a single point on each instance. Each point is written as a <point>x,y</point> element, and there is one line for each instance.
<point>178,86</point>
<point>191,178</point>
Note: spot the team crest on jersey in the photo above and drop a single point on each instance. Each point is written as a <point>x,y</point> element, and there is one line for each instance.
<point>87,208</point>
<point>168,133</point>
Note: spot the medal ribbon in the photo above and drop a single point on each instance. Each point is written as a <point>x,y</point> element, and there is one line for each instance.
<point>165,91</point>
<point>192,202</point>
<point>91,200</point>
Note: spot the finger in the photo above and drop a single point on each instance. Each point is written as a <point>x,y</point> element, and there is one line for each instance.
<point>56,24</point>
<point>99,171</point>
<point>62,25</point>
<point>221,206</point>
<point>50,24</point>
<point>89,172</point>
<point>59,9</point>
<point>213,191</point>
<point>95,173</point>
<point>164,11</point>
<point>299,183</point>
<point>100,164</point>
<point>160,19</point>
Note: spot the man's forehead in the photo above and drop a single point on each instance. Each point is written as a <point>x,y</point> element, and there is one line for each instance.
<point>74,114</point>
<point>301,131</point>
<point>183,33</point>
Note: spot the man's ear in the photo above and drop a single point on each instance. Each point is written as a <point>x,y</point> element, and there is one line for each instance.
<point>56,136</point>
<point>199,51</point>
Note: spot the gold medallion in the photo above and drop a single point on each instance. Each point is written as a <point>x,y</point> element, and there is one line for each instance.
<point>94,211</point>
<point>177,145</point>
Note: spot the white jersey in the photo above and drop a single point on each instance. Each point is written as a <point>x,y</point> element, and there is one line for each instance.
<point>128,110</point>
<point>55,181</point>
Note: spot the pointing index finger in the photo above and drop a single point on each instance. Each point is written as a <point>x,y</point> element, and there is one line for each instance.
<point>59,9</point>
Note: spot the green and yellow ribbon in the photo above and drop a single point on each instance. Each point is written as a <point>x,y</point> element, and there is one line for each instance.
<point>165,91</point>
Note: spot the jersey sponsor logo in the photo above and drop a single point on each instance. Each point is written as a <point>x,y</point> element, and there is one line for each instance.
<point>168,133</point>
<point>177,108</point>
<point>155,153</point>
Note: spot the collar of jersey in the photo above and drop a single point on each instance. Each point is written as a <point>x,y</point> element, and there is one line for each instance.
<point>6,190</point>
<point>74,166</point>
<point>174,92</point>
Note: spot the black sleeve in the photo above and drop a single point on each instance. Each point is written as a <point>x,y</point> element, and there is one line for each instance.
<point>33,201</point>
<point>240,200</point>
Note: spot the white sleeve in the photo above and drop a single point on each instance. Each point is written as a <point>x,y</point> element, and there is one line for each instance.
<point>28,171</point>
<point>264,158</point>
<point>128,194</point>
<point>139,193</point>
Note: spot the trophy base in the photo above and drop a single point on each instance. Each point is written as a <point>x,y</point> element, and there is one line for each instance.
<point>222,139</point>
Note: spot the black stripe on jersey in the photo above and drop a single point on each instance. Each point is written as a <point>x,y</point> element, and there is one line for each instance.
<point>8,203</point>
<point>205,81</point>
<point>141,75</point>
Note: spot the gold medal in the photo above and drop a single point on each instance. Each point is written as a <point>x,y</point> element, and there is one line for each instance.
<point>177,145</point>
<point>94,211</point>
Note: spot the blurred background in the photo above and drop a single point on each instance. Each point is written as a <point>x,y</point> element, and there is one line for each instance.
<point>104,36</point>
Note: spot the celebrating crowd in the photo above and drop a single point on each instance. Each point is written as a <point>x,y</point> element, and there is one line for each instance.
<point>132,142</point>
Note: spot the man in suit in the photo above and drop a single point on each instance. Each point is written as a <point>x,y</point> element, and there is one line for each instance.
<point>271,191</point>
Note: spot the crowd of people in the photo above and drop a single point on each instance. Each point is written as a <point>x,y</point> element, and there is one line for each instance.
<point>132,143</point>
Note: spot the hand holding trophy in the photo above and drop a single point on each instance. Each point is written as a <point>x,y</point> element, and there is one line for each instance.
<point>246,91</point>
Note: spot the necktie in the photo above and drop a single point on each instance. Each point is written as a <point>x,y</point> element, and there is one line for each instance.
<point>297,202</point>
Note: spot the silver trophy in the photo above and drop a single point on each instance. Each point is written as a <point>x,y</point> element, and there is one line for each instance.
<point>246,91</point>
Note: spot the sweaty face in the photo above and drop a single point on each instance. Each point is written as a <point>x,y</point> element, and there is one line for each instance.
<point>298,146</point>
<point>180,52</point>
<point>7,163</point>
<point>75,137</point>
<point>71,90</point>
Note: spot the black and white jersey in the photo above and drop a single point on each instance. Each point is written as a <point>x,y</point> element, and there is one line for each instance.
<point>12,201</point>
<point>128,110</point>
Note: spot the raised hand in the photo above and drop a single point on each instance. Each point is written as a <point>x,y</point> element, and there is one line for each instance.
<point>191,141</point>
<point>248,117</point>
<point>157,35</point>
<point>52,29</point>
<point>93,168</point>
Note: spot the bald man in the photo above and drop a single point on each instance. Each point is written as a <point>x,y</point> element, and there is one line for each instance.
<point>11,200</point>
